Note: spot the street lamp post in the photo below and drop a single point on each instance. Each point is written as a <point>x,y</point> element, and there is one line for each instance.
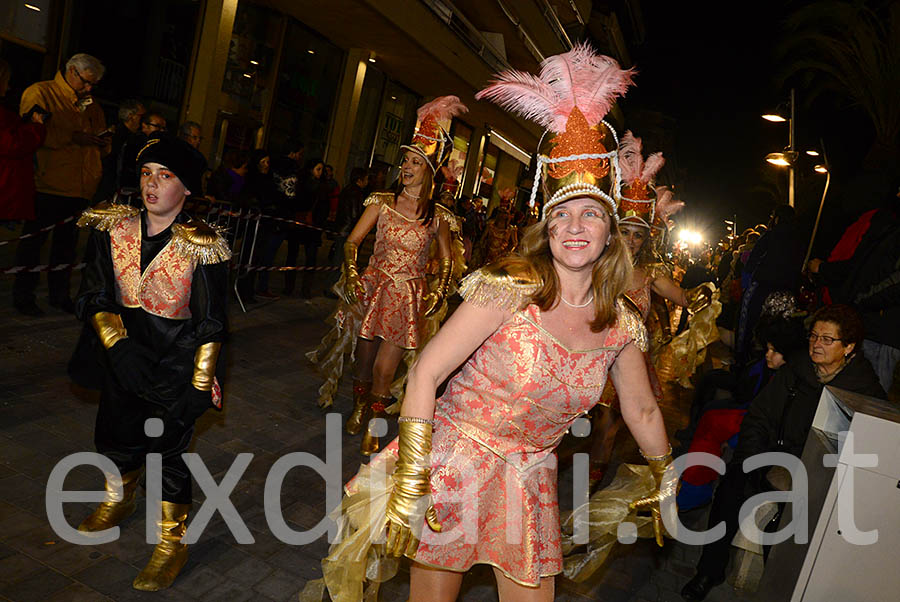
<point>789,156</point>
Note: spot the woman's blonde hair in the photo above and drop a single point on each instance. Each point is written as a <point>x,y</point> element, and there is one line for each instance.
<point>611,273</point>
<point>426,202</point>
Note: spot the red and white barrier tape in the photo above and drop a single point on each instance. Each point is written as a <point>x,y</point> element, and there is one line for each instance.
<point>19,269</point>
<point>44,229</point>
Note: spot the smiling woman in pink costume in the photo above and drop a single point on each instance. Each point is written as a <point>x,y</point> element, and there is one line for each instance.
<point>537,336</point>
<point>385,308</point>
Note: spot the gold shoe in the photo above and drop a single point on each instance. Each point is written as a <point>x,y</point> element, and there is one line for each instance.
<point>170,554</point>
<point>369,444</point>
<point>113,511</point>
<point>360,406</point>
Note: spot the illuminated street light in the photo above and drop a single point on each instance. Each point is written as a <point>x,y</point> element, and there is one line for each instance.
<point>821,169</point>
<point>812,153</point>
<point>690,237</point>
<point>786,161</point>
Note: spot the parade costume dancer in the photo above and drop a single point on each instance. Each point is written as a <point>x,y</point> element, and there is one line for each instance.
<point>154,290</point>
<point>637,214</point>
<point>539,334</point>
<point>385,307</point>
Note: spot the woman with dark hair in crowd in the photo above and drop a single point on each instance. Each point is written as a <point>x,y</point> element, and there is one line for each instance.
<point>779,420</point>
<point>258,193</point>
<point>311,210</point>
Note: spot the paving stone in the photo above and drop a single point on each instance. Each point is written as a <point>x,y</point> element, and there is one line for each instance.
<point>36,587</point>
<point>281,585</point>
<point>250,571</point>
<point>107,576</point>
<point>78,592</point>
<point>230,591</point>
<point>195,580</point>
<point>16,567</point>
<point>72,559</point>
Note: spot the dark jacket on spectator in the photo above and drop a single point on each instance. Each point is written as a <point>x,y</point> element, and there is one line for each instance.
<point>781,415</point>
<point>18,141</point>
<point>350,208</point>
<point>777,257</point>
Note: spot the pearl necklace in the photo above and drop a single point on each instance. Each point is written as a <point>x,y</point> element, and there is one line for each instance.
<point>585,304</point>
<point>415,198</point>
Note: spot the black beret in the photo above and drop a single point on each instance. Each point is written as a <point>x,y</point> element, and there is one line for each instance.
<point>178,156</point>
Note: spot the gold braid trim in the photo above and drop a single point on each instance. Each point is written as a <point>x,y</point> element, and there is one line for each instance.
<point>105,216</point>
<point>201,242</point>
<point>379,198</point>
<point>448,216</point>
<point>496,286</point>
<point>630,321</point>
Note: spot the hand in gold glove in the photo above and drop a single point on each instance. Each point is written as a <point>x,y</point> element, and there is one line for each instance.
<point>434,298</point>
<point>412,492</point>
<point>354,288</point>
<point>666,487</point>
<point>698,298</point>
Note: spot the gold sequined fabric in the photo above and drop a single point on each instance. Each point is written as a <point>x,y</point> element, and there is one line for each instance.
<point>687,351</point>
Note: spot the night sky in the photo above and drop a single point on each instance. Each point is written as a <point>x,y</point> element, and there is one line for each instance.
<point>713,68</point>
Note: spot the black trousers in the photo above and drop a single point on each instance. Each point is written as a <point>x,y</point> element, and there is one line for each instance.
<point>49,209</point>
<point>735,488</point>
<point>119,435</point>
<point>311,243</point>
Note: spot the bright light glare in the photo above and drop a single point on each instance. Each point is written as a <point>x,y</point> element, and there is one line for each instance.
<point>773,117</point>
<point>690,237</point>
<point>778,161</point>
<point>821,169</point>
<point>812,153</point>
<point>33,7</point>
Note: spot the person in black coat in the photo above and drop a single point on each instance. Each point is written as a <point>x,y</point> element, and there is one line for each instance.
<point>779,420</point>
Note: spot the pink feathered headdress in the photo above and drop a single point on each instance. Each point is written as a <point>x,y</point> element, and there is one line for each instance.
<point>431,139</point>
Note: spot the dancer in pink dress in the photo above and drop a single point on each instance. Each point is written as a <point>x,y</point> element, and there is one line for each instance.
<point>537,336</point>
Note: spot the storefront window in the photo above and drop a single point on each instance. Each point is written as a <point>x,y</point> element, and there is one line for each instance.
<point>398,121</point>
<point>461,134</point>
<point>306,91</point>
<point>251,55</point>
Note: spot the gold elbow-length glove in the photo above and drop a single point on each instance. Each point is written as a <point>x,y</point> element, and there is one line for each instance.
<point>434,298</point>
<point>354,288</point>
<point>411,496</point>
<point>698,298</point>
<point>666,487</point>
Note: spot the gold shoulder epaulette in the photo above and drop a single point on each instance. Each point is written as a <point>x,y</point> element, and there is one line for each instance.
<point>105,216</point>
<point>200,241</point>
<point>631,322</point>
<point>658,270</point>
<point>379,198</point>
<point>448,216</point>
<point>507,286</point>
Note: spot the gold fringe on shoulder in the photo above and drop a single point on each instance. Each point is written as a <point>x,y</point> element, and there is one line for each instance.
<point>105,216</point>
<point>495,285</point>
<point>379,198</point>
<point>630,321</point>
<point>201,242</point>
<point>448,216</point>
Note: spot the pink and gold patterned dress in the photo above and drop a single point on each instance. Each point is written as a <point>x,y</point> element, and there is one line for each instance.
<point>395,277</point>
<point>494,471</point>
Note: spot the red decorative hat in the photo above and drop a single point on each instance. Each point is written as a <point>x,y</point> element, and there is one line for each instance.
<point>638,203</point>
<point>569,97</point>
<point>431,139</point>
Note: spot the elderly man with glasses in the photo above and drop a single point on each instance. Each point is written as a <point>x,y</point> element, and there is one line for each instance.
<point>68,171</point>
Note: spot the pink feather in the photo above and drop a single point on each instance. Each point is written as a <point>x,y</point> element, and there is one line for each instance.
<point>579,78</point>
<point>630,159</point>
<point>442,107</point>
<point>652,166</point>
<point>666,205</point>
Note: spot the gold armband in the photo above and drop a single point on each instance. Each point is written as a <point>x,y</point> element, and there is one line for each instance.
<point>109,328</point>
<point>205,366</point>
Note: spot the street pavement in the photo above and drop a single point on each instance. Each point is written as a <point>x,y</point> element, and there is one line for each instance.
<point>270,411</point>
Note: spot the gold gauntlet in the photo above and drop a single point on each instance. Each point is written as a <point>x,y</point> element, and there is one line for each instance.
<point>434,298</point>
<point>109,328</point>
<point>698,298</point>
<point>205,366</point>
<point>666,487</point>
<point>412,491</point>
<point>353,287</point>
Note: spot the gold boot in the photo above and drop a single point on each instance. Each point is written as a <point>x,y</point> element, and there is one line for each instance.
<point>369,444</point>
<point>360,406</point>
<point>111,512</point>
<point>170,554</point>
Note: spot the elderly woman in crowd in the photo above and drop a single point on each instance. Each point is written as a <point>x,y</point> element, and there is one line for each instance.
<point>779,420</point>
